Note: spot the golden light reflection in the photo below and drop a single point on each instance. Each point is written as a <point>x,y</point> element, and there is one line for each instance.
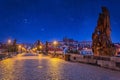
<point>33,49</point>
<point>40,66</point>
<point>55,67</point>
<point>7,68</point>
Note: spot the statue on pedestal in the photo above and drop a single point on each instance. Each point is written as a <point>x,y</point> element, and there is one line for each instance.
<point>102,44</point>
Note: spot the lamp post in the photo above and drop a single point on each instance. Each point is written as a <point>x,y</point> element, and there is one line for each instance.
<point>40,47</point>
<point>20,48</point>
<point>55,46</point>
<point>35,49</point>
<point>9,43</point>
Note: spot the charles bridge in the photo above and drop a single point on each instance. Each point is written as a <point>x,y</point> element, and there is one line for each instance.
<point>34,66</point>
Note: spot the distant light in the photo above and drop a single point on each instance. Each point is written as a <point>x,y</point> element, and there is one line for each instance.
<point>20,46</point>
<point>40,47</point>
<point>55,42</point>
<point>9,41</point>
<point>119,49</point>
<point>85,48</point>
<point>33,49</point>
<point>40,66</point>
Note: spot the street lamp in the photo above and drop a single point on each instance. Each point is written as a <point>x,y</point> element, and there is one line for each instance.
<point>55,43</point>
<point>55,46</point>
<point>33,49</point>
<point>40,47</point>
<point>9,45</point>
<point>20,48</point>
<point>9,41</point>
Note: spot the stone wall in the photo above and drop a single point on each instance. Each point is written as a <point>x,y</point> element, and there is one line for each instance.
<point>106,62</point>
<point>7,55</point>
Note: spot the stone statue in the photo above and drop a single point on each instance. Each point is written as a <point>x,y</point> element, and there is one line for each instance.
<point>102,44</point>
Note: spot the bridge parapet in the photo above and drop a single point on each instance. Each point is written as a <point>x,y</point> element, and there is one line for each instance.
<point>103,61</point>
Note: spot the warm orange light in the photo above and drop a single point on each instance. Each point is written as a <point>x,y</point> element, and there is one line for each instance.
<point>40,47</point>
<point>9,41</point>
<point>33,49</point>
<point>119,49</point>
<point>20,46</point>
<point>55,42</point>
<point>23,48</point>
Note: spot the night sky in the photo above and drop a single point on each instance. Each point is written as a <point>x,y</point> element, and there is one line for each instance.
<point>47,20</point>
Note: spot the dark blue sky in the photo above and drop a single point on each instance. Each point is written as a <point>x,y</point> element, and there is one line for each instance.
<point>30,20</point>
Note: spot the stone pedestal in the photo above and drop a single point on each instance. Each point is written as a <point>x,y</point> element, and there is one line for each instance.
<point>67,57</point>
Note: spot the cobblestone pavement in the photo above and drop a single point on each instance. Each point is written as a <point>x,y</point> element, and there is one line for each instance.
<point>39,67</point>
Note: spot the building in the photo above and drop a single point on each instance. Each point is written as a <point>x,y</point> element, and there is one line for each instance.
<point>3,47</point>
<point>85,44</point>
<point>86,51</point>
<point>117,47</point>
<point>71,44</point>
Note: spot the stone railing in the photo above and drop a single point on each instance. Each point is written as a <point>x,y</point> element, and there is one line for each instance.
<point>103,61</point>
<point>107,62</point>
<point>2,56</point>
<point>7,55</point>
<point>58,54</point>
